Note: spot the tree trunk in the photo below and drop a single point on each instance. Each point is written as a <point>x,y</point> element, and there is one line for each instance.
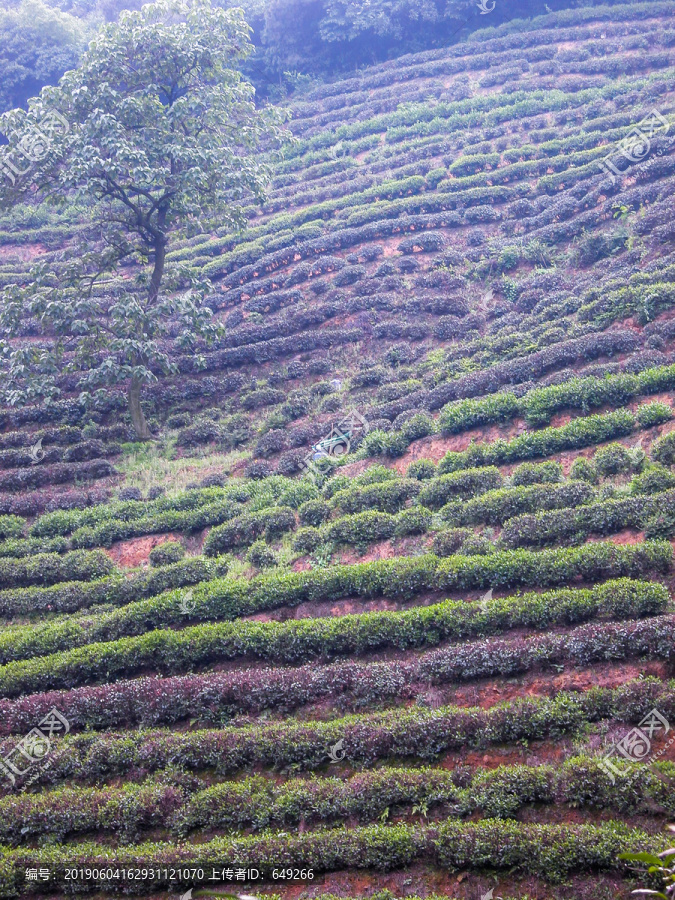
<point>137,415</point>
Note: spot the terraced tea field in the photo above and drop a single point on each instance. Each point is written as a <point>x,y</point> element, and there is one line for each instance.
<point>438,658</point>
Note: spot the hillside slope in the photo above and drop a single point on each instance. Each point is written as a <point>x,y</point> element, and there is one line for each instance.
<point>405,671</point>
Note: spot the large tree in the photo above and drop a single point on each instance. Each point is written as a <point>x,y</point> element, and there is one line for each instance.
<point>155,130</point>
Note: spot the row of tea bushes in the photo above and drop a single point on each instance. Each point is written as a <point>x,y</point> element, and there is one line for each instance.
<point>495,507</point>
<point>258,803</point>
<point>400,579</point>
<point>461,485</point>
<point>214,697</point>
<point>367,738</point>
<point>654,512</point>
<point>12,527</point>
<point>64,655</point>
<point>12,480</point>
<point>116,590</point>
<point>499,793</point>
<point>363,528</point>
<point>540,443</point>
<point>552,852</point>
<point>51,568</point>
<point>580,432</point>
<point>65,522</point>
<point>539,405</point>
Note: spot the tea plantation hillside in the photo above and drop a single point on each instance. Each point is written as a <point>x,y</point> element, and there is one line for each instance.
<point>388,602</point>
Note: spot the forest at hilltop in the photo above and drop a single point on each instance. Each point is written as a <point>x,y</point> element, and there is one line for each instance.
<point>296,41</point>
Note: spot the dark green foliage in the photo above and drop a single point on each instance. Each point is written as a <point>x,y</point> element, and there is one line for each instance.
<point>477,545</point>
<point>654,512</point>
<point>39,42</point>
<point>50,568</point>
<point>167,553</point>
<point>464,414</point>
<point>370,737</point>
<point>663,450</point>
<point>114,590</point>
<point>449,541</point>
<point>495,507</point>
<point>580,432</point>
<point>263,397</point>
<point>20,547</point>
<point>123,337</point>
<point>469,165</point>
<point>261,556</point>
<point>421,469</point>
<point>307,540</point>
<point>661,526</point>
<point>538,405</point>
<point>500,330</point>
<point>361,529</point>
<point>382,443</point>
<point>11,527</point>
<point>418,426</point>
<point>537,473</point>
<point>595,246</point>
<point>80,658</point>
<point>388,496</point>
<point>548,567</point>
<point>661,866</point>
<point>314,512</point>
<point>603,518</point>
<point>613,459</point>
<point>162,510</point>
<point>584,470</point>
<point>654,479</point>
<point>448,846</point>
<point>245,529</point>
<point>413,521</point>
<point>402,578</point>
<point>462,484</point>
<point>650,414</point>
<point>373,475</point>
<point>260,803</point>
<point>171,520</point>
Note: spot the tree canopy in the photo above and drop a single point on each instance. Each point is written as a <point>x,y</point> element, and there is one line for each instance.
<point>291,38</point>
<point>155,129</point>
